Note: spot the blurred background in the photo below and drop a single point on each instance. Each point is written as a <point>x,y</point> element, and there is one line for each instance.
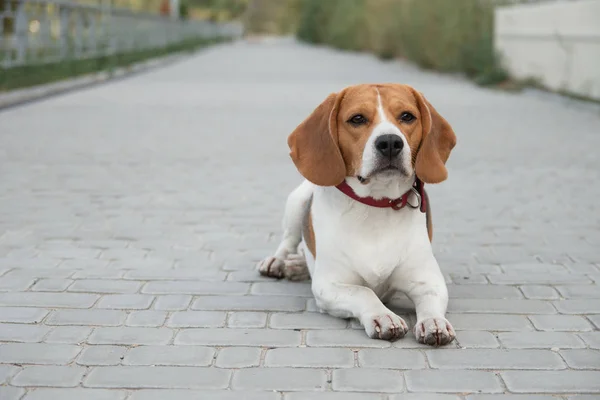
<point>551,44</point>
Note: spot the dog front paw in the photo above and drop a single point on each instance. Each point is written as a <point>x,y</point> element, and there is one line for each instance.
<point>386,326</point>
<point>434,331</point>
<point>295,268</point>
<point>272,267</point>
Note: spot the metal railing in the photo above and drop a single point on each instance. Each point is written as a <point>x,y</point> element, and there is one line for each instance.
<point>46,31</point>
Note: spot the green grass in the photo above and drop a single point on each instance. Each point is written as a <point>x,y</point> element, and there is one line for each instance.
<point>443,35</point>
<point>31,75</point>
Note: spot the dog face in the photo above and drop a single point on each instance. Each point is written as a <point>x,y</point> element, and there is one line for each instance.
<point>369,130</point>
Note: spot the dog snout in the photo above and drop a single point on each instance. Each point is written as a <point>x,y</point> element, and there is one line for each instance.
<point>389,145</point>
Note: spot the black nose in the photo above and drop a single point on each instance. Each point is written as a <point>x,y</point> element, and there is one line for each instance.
<point>389,145</point>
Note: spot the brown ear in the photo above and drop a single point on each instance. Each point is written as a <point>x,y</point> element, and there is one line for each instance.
<point>436,144</point>
<point>314,145</point>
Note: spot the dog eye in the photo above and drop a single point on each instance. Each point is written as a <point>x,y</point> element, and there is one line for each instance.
<point>358,119</point>
<point>407,117</point>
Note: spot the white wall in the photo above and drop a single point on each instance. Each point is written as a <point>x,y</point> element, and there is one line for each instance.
<point>555,42</point>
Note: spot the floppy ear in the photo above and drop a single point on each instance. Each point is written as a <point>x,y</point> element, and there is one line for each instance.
<point>314,145</point>
<point>437,142</point>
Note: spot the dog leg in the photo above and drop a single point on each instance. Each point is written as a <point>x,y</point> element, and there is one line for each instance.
<point>423,282</point>
<point>288,261</point>
<point>360,302</point>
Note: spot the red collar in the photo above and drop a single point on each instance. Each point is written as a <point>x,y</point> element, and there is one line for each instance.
<point>418,190</point>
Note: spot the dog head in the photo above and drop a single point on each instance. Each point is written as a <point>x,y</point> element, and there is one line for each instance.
<point>366,131</point>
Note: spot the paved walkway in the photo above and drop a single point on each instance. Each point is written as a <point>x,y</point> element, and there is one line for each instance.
<point>131,215</point>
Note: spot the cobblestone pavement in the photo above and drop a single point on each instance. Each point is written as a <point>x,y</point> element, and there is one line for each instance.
<point>131,215</point>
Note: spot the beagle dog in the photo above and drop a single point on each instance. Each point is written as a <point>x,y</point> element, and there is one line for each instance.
<point>360,223</point>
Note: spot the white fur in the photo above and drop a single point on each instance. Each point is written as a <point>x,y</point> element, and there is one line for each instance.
<point>369,157</point>
<point>365,254</point>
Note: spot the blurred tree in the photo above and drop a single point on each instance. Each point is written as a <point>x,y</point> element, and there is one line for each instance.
<point>315,18</point>
<point>342,29</point>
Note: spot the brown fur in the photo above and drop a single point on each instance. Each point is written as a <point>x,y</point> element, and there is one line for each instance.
<point>428,217</point>
<point>309,235</point>
<point>326,148</point>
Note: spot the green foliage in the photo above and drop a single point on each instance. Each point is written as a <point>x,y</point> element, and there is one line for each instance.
<point>342,29</point>
<point>445,35</point>
<point>184,9</point>
<point>314,20</point>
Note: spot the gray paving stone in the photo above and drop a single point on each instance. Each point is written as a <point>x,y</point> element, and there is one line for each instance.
<point>238,357</point>
<point>125,301</point>
<point>48,300</point>
<point>282,288</point>
<point>595,320</point>
<point>367,380</point>
<point>196,288</point>
<point>197,319</point>
<point>483,292</point>
<point>540,292</point>
<point>247,276</point>
<point>49,376</point>
<point>249,303</point>
<point>579,291</point>
<point>582,358</point>
<point>490,322</point>
<point>68,334</point>
<point>306,321</point>
<point>98,273</point>
<point>582,268</point>
<point>130,336</point>
<point>552,381</point>
<point>332,396</point>
<point>146,318</point>
<point>102,355</point>
<point>181,394</point>
<point>534,268</point>
<point>540,340</point>
<point>11,393</point>
<point>51,285</point>
<point>579,306</point>
<point>494,359</point>
<point>76,394</point>
<point>584,397</point>
<point>173,302</point>
<point>22,315</point>
<point>391,358</point>
<point>87,317</point>
<point>509,397</point>
<point>6,372</point>
<point>129,377</point>
<point>592,339</point>
<point>343,338</point>
<point>105,286</point>
<point>468,279</point>
<point>279,379</point>
<point>37,353</point>
<point>23,333</point>
<point>560,323</point>
<point>247,320</point>
<point>458,381</point>
<point>170,356</point>
<point>200,274</point>
<point>476,339</point>
<point>310,357</point>
<point>15,283</point>
<point>537,279</point>
<point>238,337</point>
<point>500,306</point>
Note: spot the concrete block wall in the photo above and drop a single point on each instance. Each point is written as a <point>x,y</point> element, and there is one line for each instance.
<point>555,42</point>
